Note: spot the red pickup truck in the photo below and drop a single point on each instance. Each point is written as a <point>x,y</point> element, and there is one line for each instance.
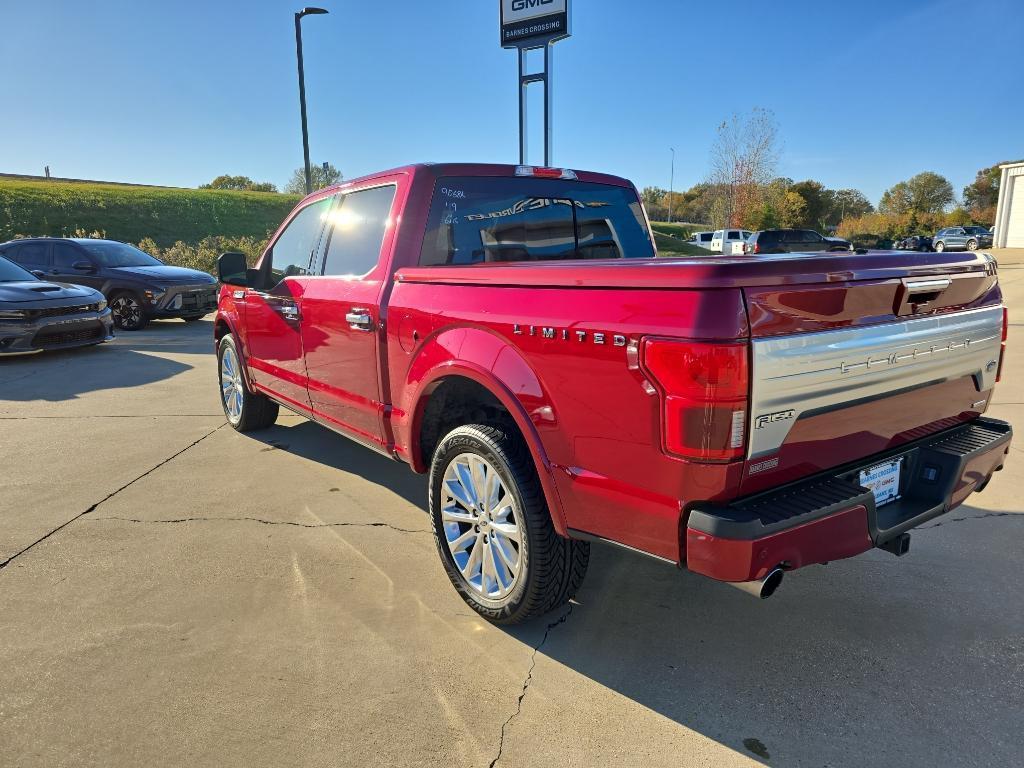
<point>510,331</point>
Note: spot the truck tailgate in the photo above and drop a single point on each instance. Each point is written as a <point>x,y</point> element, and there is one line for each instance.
<point>841,372</point>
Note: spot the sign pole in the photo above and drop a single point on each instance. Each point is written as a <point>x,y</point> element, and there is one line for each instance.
<point>528,25</point>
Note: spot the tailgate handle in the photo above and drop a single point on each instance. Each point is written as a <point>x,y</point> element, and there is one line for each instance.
<point>928,286</point>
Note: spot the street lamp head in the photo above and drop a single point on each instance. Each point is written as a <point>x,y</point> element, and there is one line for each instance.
<point>311,12</point>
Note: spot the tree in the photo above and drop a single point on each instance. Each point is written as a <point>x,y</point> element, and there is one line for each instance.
<point>321,178</point>
<point>818,204</point>
<point>743,160</point>
<point>925,193</point>
<point>792,209</point>
<point>849,203</point>
<point>239,183</point>
<point>982,194</point>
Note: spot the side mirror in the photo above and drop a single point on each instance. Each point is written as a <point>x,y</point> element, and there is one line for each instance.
<point>232,269</point>
<point>39,273</point>
<point>83,266</point>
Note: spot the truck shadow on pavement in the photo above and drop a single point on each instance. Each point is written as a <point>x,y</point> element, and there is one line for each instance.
<point>120,364</point>
<point>863,662</point>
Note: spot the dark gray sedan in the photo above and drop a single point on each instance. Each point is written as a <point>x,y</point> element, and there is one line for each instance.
<point>37,315</point>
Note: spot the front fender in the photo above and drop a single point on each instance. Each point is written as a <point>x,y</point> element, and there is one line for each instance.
<point>492,362</point>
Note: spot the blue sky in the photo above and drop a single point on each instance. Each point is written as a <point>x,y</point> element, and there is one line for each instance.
<point>865,93</point>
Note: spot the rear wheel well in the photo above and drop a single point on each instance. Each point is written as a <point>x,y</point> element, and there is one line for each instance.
<point>456,401</point>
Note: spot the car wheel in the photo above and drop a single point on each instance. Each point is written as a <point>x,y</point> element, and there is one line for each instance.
<point>972,245</point>
<point>493,529</point>
<point>193,318</point>
<point>245,410</point>
<point>127,312</point>
<point>940,246</point>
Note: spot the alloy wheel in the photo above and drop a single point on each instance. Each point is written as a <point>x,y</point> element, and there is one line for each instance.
<point>483,526</point>
<point>231,387</point>
<point>126,311</point>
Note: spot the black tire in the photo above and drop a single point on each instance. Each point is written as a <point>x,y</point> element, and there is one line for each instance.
<point>972,245</point>
<point>551,567</point>
<point>193,318</point>
<point>256,411</point>
<point>127,311</point>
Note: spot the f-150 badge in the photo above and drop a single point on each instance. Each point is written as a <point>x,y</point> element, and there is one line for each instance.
<point>770,418</point>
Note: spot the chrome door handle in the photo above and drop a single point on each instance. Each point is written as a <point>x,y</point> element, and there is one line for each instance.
<point>359,319</point>
<point>288,311</point>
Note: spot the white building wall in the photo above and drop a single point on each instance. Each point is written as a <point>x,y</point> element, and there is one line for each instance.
<point>1009,221</point>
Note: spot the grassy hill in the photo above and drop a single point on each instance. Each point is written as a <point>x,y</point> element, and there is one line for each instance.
<point>132,213</point>
<point>670,239</point>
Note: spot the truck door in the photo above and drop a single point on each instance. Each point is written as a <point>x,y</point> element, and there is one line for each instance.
<point>342,332</point>
<point>273,338</point>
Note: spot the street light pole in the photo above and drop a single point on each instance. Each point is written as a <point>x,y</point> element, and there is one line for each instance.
<point>302,90</point>
<point>671,184</point>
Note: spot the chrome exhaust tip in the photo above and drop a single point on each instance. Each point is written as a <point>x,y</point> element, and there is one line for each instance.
<point>761,588</point>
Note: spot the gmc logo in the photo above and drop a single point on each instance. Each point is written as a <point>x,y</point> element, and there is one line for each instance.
<point>522,5</point>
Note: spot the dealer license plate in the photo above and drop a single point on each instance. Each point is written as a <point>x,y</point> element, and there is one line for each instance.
<point>883,480</point>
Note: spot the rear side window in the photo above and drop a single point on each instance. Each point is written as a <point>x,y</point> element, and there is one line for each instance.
<point>734,234</point>
<point>707,237</point>
<point>357,231</point>
<point>486,219</point>
<point>33,254</point>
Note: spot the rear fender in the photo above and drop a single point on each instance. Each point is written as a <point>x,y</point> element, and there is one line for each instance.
<point>490,361</point>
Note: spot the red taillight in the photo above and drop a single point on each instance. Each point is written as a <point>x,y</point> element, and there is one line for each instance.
<point>703,388</point>
<point>1002,346</point>
<point>757,248</point>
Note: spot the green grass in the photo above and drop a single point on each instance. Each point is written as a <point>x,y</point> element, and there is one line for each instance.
<point>673,246</point>
<point>130,213</point>
<point>677,229</point>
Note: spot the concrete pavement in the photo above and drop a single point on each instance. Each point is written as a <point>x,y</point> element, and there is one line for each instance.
<point>175,593</point>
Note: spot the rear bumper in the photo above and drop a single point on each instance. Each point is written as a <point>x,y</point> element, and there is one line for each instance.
<point>831,517</point>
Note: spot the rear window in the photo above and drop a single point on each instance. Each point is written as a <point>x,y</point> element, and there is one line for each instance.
<point>486,219</point>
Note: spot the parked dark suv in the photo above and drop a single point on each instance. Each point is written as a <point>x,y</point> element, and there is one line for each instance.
<point>138,287</point>
<point>793,241</point>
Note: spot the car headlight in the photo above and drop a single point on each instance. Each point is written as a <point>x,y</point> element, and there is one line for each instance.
<point>13,314</point>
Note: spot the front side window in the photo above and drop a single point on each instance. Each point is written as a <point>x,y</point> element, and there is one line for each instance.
<point>293,249</point>
<point>357,228</point>
<point>734,234</point>
<point>487,219</point>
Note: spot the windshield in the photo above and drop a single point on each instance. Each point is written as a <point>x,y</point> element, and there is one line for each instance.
<point>110,254</point>
<point>11,272</point>
<point>486,219</point>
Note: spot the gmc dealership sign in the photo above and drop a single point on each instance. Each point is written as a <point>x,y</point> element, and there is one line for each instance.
<point>532,23</point>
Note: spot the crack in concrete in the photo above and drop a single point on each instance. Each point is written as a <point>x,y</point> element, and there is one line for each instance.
<point>972,517</point>
<point>526,683</point>
<point>112,494</point>
<point>262,521</point>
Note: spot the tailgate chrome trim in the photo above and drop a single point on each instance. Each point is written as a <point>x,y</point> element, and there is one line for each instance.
<point>814,372</point>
